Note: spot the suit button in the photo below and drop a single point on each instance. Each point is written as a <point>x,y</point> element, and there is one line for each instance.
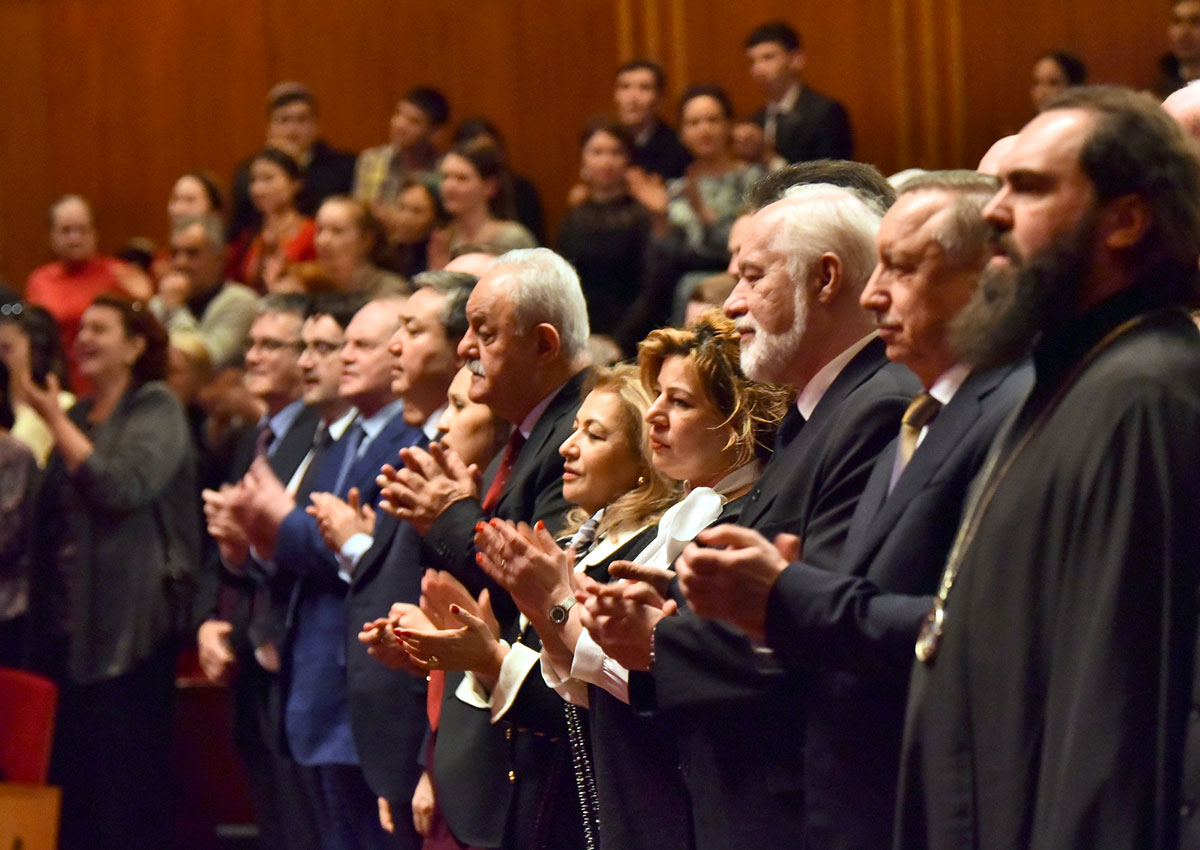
<point>508,733</point>
<point>512,776</point>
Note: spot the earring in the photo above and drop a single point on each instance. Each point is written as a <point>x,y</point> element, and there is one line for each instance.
<point>641,482</point>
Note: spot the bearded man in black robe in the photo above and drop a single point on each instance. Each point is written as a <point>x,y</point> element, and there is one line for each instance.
<point>1049,700</point>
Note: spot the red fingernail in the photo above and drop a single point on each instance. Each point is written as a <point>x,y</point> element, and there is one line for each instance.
<point>454,609</point>
<point>479,526</point>
<point>541,524</point>
<point>479,558</point>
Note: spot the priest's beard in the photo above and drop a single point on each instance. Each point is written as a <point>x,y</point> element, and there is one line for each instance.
<point>1014,304</point>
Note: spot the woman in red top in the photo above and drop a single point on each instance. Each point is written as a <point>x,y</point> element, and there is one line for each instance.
<point>286,235</point>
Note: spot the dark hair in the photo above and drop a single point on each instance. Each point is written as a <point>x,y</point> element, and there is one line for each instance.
<point>46,355</point>
<point>430,101</point>
<point>284,93</point>
<point>472,128</point>
<point>284,160</point>
<point>865,180</point>
<point>1070,64</point>
<point>660,79</point>
<point>485,157</point>
<point>706,90</point>
<point>137,320</point>
<point>212,189</point>
<point>284,302</point>
<point>1135,148</point>
<point>455,287</point>
<point>7,416</point>
<point>339,306</point>
<point>139,251</point>
<point>779,32</point>
<point>607,124</point>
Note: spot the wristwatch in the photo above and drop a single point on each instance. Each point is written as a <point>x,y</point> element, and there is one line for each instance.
<point>558,613</point>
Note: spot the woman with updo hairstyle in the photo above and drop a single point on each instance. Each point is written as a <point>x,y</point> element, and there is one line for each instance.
<point>286,235</point>
<point>117,547</point>
<point>606,235</point>
<point>195,193</point>
<point>348,241</point>
<point>473,194</point>
<point>415,214</point>
<point>707,428</point>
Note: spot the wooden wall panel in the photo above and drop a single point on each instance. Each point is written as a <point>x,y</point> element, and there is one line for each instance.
<point>114,98</point>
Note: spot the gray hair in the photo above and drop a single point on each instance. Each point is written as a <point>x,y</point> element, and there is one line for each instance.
<point>455,288</point>
<point>820,218</point>
<point>545,288</point>
<point>210,223</point>
<point>962,232</point>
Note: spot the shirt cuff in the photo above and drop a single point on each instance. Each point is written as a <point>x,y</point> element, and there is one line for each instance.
<point>351,553</point>
<point>571,690</point>
<point>592,665</point>
<point>513,670</point>
<point>472,693</point>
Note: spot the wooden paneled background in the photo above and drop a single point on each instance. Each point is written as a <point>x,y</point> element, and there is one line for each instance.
<point>114,98</point>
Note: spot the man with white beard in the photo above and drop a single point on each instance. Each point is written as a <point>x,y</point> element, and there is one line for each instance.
<point>739,715</point>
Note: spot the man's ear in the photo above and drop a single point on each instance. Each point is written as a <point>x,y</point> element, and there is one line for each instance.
<point>798,60</point>
<point>1124,220</point>
<point>549,343</point>
<point>827,278</point>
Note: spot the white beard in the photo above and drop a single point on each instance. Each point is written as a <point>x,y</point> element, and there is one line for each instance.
<point>767,355</point>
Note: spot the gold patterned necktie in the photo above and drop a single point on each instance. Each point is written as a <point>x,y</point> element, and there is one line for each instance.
<point>920,413</point>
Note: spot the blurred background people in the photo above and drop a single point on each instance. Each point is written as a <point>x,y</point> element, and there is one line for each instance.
<point>285,235</point>
<point>1053,72</point>
<point>348,241</point>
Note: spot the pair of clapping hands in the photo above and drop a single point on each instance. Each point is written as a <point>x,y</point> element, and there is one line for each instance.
<point>449,630</point>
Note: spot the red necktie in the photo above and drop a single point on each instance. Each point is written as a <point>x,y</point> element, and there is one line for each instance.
<point>504,471</point>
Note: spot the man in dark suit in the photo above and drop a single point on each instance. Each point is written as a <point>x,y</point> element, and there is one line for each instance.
<point>848,632</point>
<point>526,345</point>
<point>798,123</point>
<point>637,95</point>
<point>737,715</point>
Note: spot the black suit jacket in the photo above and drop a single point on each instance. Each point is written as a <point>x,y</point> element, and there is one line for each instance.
<point>476,767</point>
<point>816,128</point>
<point>849,632</point>
<point>662,154</point>
<point>738,715</point>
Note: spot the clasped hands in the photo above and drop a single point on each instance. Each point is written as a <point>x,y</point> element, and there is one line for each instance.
<point>428,482</point>
<point>340,519</point>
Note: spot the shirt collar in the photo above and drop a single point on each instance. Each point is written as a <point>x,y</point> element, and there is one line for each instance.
<point>339,426</point>
<point>949,382</point>
<point>375,423</point>
<point>809,397</point>
<point>284,419</point>
<point>788,102</point>
<point>430,425</point>
<point>532,417</point>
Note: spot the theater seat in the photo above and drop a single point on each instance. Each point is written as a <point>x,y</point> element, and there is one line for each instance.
<point>27,704</point>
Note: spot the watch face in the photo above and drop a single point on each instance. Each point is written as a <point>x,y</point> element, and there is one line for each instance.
<point>558,614</point>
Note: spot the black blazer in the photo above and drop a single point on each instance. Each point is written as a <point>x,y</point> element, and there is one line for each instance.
<point>849,632</point>
<point>739,717</point>
<point>476,767</point>
<point>387,707</point>
<point>817,128</point>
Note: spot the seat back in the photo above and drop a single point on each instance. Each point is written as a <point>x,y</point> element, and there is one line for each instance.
<point>27,704</point>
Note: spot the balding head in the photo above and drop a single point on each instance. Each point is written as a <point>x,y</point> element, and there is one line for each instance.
<point>1184,107</point>
<point>990,164</point>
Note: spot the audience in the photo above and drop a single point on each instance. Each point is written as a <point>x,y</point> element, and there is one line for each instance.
<point>637,95</point>
<point>292,127</point>
<point>473,191</point>
<point>348,239</point>
<point>535,602</point>
<point>606,236</point>
<point>1054,72</point>
<point>797,122</point>
<point>118,543</point>
<point>67,286</point>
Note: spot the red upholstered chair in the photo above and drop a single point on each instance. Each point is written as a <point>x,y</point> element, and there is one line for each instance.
<point>27,704</point>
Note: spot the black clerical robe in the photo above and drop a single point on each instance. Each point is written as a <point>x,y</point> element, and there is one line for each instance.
<point>1052,714</point>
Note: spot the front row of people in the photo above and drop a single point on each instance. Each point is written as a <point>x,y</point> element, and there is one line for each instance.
<point>676,605</point>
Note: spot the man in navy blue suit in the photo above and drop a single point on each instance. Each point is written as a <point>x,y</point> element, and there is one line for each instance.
<point>848,632</point>
<point>316,717</point>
